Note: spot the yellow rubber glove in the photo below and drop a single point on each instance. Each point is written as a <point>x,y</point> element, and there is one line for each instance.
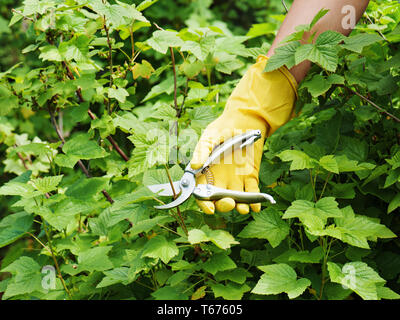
<point>261,100</point>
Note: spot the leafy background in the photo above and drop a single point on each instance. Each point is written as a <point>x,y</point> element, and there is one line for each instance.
<point>99,99</point>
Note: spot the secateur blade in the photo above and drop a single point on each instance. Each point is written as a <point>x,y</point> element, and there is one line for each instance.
<point>186,187</point>
<point>165,189</point>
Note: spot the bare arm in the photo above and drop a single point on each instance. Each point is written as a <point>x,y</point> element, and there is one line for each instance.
<point>303,11</point>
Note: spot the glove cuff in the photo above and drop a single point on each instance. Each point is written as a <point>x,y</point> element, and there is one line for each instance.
<point>268,97</point>
<point>285,71</point>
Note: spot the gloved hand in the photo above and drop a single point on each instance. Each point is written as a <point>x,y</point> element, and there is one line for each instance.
<point>261,100</point>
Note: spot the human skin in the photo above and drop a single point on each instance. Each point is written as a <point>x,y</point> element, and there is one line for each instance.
<point>303,11</point>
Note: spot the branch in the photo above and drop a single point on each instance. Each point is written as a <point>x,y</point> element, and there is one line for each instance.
<point>175,86</point>
<point>55,260</point>
<point>80,163</point>
<point>112,141</point>
<point>93,116</point>
<point>110,62</point>
<point>22,159</point>
<point>374,105</point>
<point>173,68</point>
<point>21,14</point>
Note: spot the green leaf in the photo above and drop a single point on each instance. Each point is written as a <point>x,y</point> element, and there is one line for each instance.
<point>300,160</point>
<point>14,226</point>
<point>169,293</point>
<point>220,238</point>
<point>218,262</point>
<point>386,293</point>
<point>284,55</point>
<point>199,49</point>
<point>81,147</point>
<point>392,177</point>
<point>64,212</point>
<point>267,224</point>
<point>151,148</point>
<point>278,278</point>
<point>120,94</point>
<point>18,189</point>
<point>228,63</point>
<point>161,40</point>
<point>36,148</point>
<point>50,53</point>
<point>230,291</point>
<point>313,215</point>
<point>359,41</point>
<point>346,165</point>
<point>46,184</point>
<point>394,161</point>
<point>148,224</point>
<point>314,256</point>
<point>114,276</point>
<point>394,203</point>
<point>191,69</point>
<point>95,259</point>
<point>358,277</point>
<point>322,52</point>
<point>26,278</point>
<point>36,6</point>
<point>318,85</point>
<point>85,188</point>
<point>356,229</point>
<point>144,70</point>
<point>329,163</point>
<point>75,49</point>
<point>238,275</point>
<point>261,29</point>
<point>114,13</point>
<point>321,13</point>
<point>145,4</point>
<point>161,248</point>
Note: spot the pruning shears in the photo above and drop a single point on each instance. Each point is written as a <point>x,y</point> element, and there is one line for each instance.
<point>186,186</point>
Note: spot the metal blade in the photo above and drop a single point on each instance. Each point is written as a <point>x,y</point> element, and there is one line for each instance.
<point>186,185</point>
<point>165,189</point>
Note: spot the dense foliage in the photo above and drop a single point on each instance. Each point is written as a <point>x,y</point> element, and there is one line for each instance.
<point>101,98</point>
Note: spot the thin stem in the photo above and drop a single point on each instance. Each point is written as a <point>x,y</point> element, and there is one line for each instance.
<point>174,70</point>
<point>93,116</point>
<point>326,248</point>
<point>145,285</point>
<point>374,105</point>
<point>175,85</point>
<point>175,195</point>
<point>111,140</point>
<point>315,177</point>
<point>55,260</point>
<point>21,14</point>
<point>41,243</point>
<point>194,285</point>
<point>23,160</point>
<point>313,186</point>
<point>80,163</point>
<point>184,98</point>
<point>325,183</point>
<point>371,22</point>
<point>132,43</point>
<point>301,237</point>
<point>110,62</point>
<point>166,228</point>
